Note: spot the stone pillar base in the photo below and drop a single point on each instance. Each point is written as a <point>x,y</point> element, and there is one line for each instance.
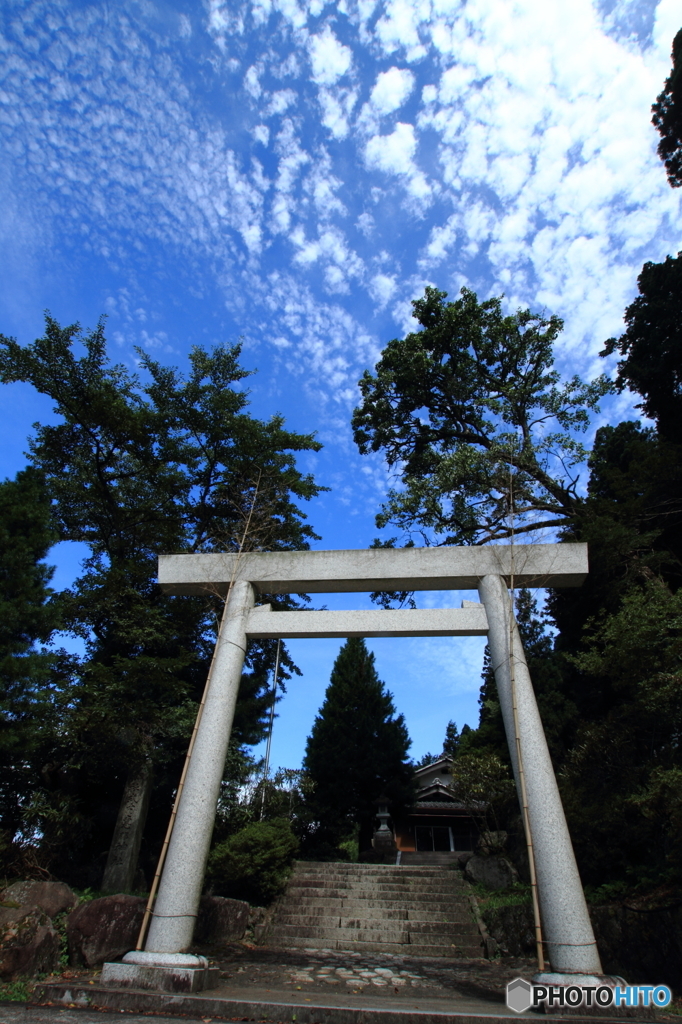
<point>162,972</point>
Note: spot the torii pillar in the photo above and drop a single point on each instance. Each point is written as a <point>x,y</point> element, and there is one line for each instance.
<point>570,942</point>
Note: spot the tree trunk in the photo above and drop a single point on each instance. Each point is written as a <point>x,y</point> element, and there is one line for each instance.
<point>119,873</point>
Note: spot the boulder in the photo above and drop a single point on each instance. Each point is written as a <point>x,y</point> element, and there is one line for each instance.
<point>104,929</point>
<point>50,897</point>
<point>221,920</point>
<point>490,843</point>
<point>493,872</point>
<point>28,942</point>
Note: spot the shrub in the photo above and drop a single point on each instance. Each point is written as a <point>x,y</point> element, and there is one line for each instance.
<point>253,864</point>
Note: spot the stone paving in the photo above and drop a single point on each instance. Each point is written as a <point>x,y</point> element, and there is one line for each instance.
<point>317,970</point>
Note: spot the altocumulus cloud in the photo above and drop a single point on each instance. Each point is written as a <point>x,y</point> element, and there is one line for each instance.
<point>311,166</point>
<point>347,156</point>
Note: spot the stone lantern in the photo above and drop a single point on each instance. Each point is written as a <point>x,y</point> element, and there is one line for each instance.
<point>383,840</point>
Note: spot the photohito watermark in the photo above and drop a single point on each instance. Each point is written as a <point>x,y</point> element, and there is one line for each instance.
<point>523,995</point>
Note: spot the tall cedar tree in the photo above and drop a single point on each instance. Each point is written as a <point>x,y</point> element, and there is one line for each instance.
<point>33,679</point>
<point>652,346</point>
<point>357,750</point>
<point>558,713</point>
<point>451,744</point>
<point>621,779</point>
<point>135,469</point>
<point>667,111</point>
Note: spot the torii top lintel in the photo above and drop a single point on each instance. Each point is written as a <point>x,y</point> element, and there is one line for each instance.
<point>326,572</point>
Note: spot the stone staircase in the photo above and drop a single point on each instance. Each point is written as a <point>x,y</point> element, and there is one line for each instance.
<point>375,908</point>
<point>431,860</point>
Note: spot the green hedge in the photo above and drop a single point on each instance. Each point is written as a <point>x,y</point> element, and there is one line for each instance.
<point>253,864</point>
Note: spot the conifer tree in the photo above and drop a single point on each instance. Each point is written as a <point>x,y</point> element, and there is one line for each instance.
<point>357,750</point>
<point>29,704</point>
<point>134,467</point>
<point>667,117</point>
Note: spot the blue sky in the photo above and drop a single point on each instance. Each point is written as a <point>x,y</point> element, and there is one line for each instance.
<point>293,174</point>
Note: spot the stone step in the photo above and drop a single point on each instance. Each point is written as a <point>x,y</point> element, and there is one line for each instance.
<point>458,916</point>
<point>325,913</point>
<point>375,871</point>
<point>400,948</point>
<point>348,882</point>
<point>375,931</point>
<point>348,887</point>
<point>425,928</point>
<point>312,921</point>
<point>450,877</point>
<point>383,933</point>
<point>390,896</point>
<point>283,934</point>
<point>376,908</point>
<point>403,877</point>
<point>410,859</point>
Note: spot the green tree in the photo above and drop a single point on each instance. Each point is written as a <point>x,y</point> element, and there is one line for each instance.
<point>631,521</point>
<point>34,679</point>
<point>136,468</point>
<point>652,345</point>
<point>479,423</point>
<point>357,750</point>
<point>453,738</point>
<point>482,783</point>
<point>621,781</point>
<point>253,864</point>
<point>615,651</point>
<point>667,111</point>
<point>558,712</point>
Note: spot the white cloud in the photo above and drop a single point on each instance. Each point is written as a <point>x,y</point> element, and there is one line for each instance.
<point>224,20</point>
<point>392,153</point>
<point>335,280</point>
<point>400,25</point>
<point>542,174</point>
<point>667,23</point>
<point>366,224</point>
<point>382,288</point>
<point>329,58</point>
<point>252,82</point>
<point>280,101</point>
<point>322,185</point>
<point>391,89</point>
<point>337,105</point>
<point>441,240</point>
<point>292,160</point>
<point>261,133</point>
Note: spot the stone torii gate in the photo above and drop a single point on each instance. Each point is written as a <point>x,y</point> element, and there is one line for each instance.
<point>570,943</point>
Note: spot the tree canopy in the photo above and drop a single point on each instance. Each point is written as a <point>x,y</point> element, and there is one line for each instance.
<point>667,117</point>
<point>478,422</point>
<point>33,677</point>
<point>652,345</point>
<point>486,439</point>
<point>137,466</point>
